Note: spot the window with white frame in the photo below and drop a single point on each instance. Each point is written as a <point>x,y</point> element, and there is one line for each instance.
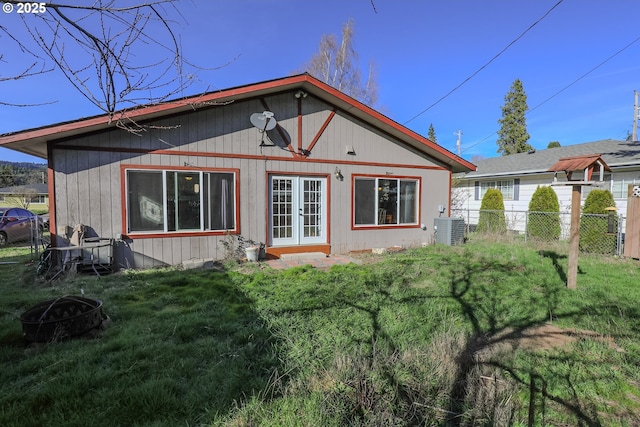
<point>36,199</point>
<point>165,201</point>
<point>385,201</point>
<point>620,188</point>
<point>506,187</point>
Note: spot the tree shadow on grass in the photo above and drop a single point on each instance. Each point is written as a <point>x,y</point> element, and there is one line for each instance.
<point>489,334</point>
<point>374,392</point>
<point>555,259</point>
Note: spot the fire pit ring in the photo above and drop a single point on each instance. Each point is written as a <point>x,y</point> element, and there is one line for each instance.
<point>61,318</point>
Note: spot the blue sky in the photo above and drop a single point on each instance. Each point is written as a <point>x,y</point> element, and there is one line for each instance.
<point>588,50</point>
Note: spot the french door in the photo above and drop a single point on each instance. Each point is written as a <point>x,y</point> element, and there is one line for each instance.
<point>297,210</point>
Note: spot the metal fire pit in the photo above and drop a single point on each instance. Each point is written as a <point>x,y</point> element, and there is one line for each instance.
<point>61,318</point>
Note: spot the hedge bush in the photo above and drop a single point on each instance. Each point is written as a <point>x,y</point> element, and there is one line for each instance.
<point>594,224</point>
<point>544,215</point>
<point>491,218</point>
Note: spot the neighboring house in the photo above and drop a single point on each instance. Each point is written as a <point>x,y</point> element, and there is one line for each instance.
<point>324,174</point>
<point>33,196</point>
<point>517,176</point>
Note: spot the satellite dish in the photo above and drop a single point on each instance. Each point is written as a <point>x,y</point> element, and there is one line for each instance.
<point>263,121</point>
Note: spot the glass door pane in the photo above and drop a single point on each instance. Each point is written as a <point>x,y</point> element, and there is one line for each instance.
<point>312,210</point>
<point>283,223</point>
<point>298,210</point>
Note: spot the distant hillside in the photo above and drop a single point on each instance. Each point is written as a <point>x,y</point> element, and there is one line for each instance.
<point>22,173</point>
<point>24,165</point>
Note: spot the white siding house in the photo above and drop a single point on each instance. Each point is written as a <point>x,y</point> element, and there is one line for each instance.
<point>518,176</point>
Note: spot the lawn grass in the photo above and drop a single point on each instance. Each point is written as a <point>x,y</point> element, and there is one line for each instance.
<point>421,337</point>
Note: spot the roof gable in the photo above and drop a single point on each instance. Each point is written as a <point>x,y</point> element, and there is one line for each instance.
<point>576,163</point>
<point>34,141</point>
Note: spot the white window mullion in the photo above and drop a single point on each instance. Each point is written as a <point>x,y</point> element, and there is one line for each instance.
<point>200,194</point>
<point>377,199</point>
<point>398,196</point>
<point>164,201</point>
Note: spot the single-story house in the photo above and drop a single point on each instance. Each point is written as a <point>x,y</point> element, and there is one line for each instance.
<point>34,195</point>
<point>517,176</point>
<point>291,163</point>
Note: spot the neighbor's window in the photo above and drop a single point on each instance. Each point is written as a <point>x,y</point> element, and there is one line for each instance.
<point>168,201</point>
<point>620,188</point>
<point>385,201</point>
<point>505,187</point>
<point>37,199</point>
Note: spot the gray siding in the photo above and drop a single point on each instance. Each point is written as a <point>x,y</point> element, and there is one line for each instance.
<point>88,180</point>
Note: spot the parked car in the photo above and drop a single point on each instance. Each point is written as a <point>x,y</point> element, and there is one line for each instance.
<point>45,221</point>
<point>18,224</point>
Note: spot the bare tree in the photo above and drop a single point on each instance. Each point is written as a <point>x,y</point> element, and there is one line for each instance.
<point>23,197</point>
<point>459,195</point>
<point>116,56</point>
<point>336,64</point>
<point>29,70</point>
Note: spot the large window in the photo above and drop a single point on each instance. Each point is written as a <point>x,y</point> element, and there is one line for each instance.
<point>505,187</point>
<point>385,201</point>
<point>180,201</point>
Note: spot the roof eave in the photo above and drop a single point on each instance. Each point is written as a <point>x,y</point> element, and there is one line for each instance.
<point>34,141</point>
<point>489,175</point>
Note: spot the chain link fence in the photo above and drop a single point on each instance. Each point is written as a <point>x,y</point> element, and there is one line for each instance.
<point>599,234</point>
<point>24,230</point>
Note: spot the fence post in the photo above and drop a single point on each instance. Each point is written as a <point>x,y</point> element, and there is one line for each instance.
<point>619,240</point>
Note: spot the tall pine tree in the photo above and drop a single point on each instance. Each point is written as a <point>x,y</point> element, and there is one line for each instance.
<point>513,136</point>
<point>432,134</point>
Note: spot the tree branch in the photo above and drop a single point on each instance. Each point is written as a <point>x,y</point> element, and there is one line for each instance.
<point>117,41</point>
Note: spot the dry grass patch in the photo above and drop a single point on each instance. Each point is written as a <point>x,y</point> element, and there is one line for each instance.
<point>542,337</point>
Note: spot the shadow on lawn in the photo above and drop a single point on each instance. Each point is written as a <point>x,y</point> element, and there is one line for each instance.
<point>375,392</point>
<point>555,259</point>
<point>481,309</point>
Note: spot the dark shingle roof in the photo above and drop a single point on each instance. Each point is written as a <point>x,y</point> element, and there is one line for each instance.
<point>20,189</point>
<point>615,153</point>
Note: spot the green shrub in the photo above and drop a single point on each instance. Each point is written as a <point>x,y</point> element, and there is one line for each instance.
<point>544,215</point>
<point>595,226</point>
<point>598,201</point>
<point>491,218</point>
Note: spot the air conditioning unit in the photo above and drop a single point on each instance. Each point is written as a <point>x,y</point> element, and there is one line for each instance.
<point>449,231</point>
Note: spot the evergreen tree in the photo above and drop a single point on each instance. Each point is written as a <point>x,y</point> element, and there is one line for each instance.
<point>597,228</point>
<point>21,173</point>
<point>598,201</point>
<point>7,175</point>
<point>544,215</point>
<point>431,134</point>
<point>553,144</point>
<point>491,219</point>
<point>513,136</point>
